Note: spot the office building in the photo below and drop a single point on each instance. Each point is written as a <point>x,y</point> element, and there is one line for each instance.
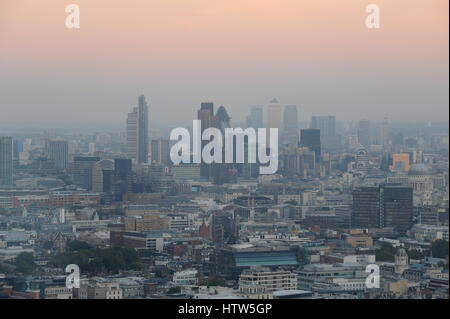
<point>255,119</point>
<point>58,152</point>
<point>6,161</point>
<point>327,126</point>
<point>397,207</point>
<point>208,119</point>
<point>383,133</point>
<point>366,208</point>
<point>82,171</point>
<point>98,172</point>
<point>273,119</point>
<point>290,132</point>
<point>160,149</point>
<point>389,205</point>
<point>400,162</point>
<point>231,261</point>
<point>137,132</point>
<point>271,280</point>
<point>311,138</point>
<point>364,137</point>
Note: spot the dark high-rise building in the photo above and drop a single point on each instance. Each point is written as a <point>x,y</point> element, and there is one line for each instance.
<point>6,161</point>
<point>223,119</point>
<point>208,119</point>
<point>223,228</point>
<point>122,177</point>
<point>396,207</point>
<point>58,152</point>
<point>311,138</point>
<point>366,208</point>
<point>389,205</point>
<point>108,180</point>
<point>255,119</point>
<point>137,132</point>
<point>223,172</point>
<point>364,133</point>
<point>82,171</point>
<point>122,168</point>
<point>290,120</point>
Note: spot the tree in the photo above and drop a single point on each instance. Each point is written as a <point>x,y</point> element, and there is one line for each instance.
<point>415,254</point>
<point>95,261</point>
<point>439,248</point>
<point>174,290</point>
<point>216,282</point>
<point>385,253</point>
<point>25,263</point>
<point>76,245</point>
<point>4,269</point>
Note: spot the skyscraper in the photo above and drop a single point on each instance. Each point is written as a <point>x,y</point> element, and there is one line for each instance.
<point>290,132</point>
<point>383,133</point>
<point>97,174</point>
<point>137,132</point>
<point>223,172</point>
<point>122,177</point>
<point>396,207</point>
<point>389,205</point>
<point>327,127</point>
<point>58,152</point>
<point>17,149</point>
<point>366,208</point>
<point>6,161</point>
<point>142,130</point>
<point>255,119</point>
<point>223,119</point>
<point>208,119</point>
<point>132,133</point>
<point>311,138</point>
<point>82,171</point>
<point>274,115</point>
<point>273,119</point>
<point>364,133</point>
<point>160,151</point>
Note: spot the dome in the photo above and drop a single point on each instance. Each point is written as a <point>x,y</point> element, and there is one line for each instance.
<point>418,169</point>
<point>401,252</point>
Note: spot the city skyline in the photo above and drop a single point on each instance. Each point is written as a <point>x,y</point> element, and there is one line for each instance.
<point>243,150</point>
<point>307,55</point>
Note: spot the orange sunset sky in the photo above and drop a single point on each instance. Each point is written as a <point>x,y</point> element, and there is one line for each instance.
<point>318,55</point>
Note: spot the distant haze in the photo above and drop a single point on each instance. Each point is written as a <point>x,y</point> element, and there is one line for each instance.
<point>317,55</point>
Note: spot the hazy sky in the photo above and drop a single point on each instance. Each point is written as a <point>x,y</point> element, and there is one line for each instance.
<point>318,55</point>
